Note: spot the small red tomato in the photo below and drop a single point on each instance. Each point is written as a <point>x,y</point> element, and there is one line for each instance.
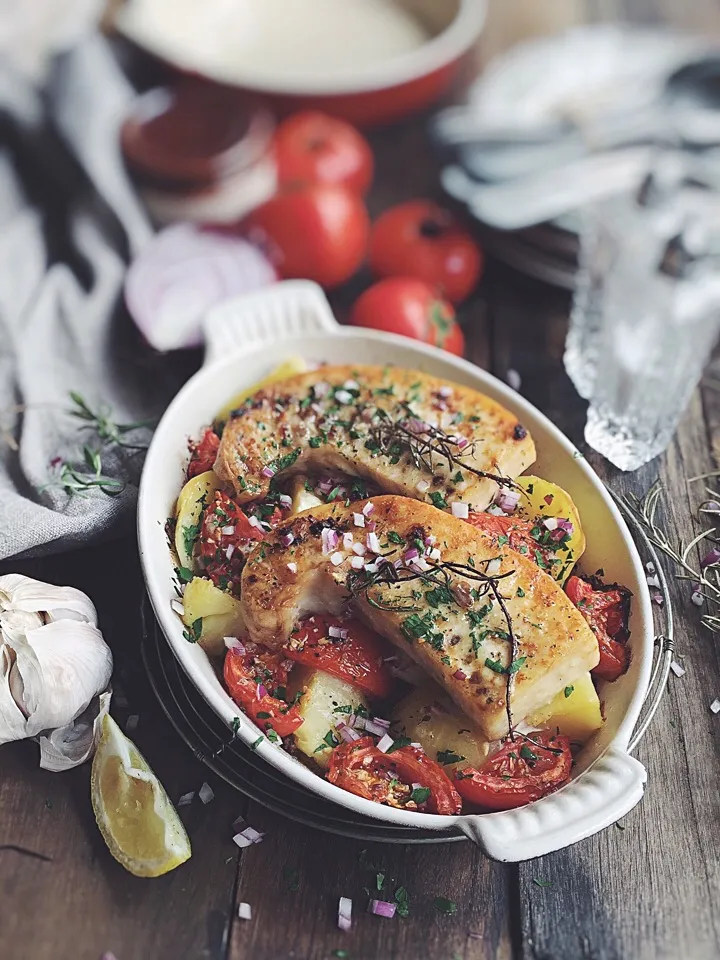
<point>410,307</point>
<point>420,239</point>
<point>313,148</point>
<point>315,232</point>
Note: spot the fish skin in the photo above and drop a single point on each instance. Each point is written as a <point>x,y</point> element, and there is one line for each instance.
<point>551,632</point>
<point>273,426</point>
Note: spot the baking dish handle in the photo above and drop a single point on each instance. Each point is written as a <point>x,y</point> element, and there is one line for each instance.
<point>291,308</point>
<point>597,798</point>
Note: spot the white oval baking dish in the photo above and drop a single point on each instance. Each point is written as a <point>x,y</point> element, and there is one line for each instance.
<point>249,336</point>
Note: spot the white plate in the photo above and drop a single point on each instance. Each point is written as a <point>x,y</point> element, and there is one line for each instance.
<point>249,336</point>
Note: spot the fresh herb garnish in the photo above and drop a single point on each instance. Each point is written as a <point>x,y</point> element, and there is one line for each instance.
<point>443,905</point>
<point>420,794</point>
<point>542,883</point>
<point>448,756</point>
<point>184,574</point>
<point>402,901</point>
<point>438,500</point>
<point>398,744</point>
<point>527,754</point>
<point>568,691</point>
<point>194,631</point>
<point>394,537</point>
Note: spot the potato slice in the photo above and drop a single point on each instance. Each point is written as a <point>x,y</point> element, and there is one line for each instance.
<point>288,368</point>
<point>196,493</point>
<point>212,614</point>
<point>324,703</point>
<point>428,716</point>
<point>544,499</point>
<point>575,711</point>
<point>302,499</point>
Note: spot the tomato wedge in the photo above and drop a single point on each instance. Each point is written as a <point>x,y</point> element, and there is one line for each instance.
<point>250,678</point>
<point>203,453</point>
<point>226,535</point>
<point>355,656</point>
<point>606,609</point>
<point>519,536</point>
<point>393,778</point>
<point>518,773</point>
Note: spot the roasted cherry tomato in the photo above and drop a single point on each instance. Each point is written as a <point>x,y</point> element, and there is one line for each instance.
<point>356,656</point>
<point>420,239</point>
<point>606,608</point>
<point>522,535</point>
<point>518,773</point>
<point>312,147</point>
<point>393,778</point>
<point>410,307</point>
<point>255,680</point>
<point>203,454</point>
<point>226,536</point>
<point>317,232</point>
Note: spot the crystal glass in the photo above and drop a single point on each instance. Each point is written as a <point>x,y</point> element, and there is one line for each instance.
<point>645,318</point>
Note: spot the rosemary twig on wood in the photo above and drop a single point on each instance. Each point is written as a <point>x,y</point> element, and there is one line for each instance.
<point>100,421</point>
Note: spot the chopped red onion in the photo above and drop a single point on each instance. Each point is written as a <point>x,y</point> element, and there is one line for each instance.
<point>710,558</point>
<point>371,567</point>
<point>460,510</point>
<point>342,396</point>
<point>550,523</point>
<point>292,567</point>
<point>368,508</point>
<point>344,914</point>
<point>460,675</point>
<point>359,519</point>
<point>206,793</point>
<point>513,379</point>
<point>325,485</point>
<point>414,425</point>
<point>360,549</point>
<point>329,540</point>
<point>285,501</point>
<point>410,554</point>
<point>254,522</point>
<point>435,554</point>
<point>338,633</point>
<point>248,836</point>
<point>445,392</point>
<point>495,511</point>
<point>697,598</point>
<point>321,389</point>
<point>359,723</point>
<point>370,526</point>
<point>565,525</point>
<point>228,531</point>
<point>378,729</point>
<point>244,911</point>
<point>420,565</point>
<point>506,500</point>
<point>657,597</point>
<point>418,746</point>
<point>431,540</point>
<point>178,607</point>
<point>287,539</point>
<point>462,442</point>
<point>677,669</point>
<point>230,551</point>
<point>347,732</point>
<point>382,722</point>
<point>260,691</point>
<point>357,563</point>
<point>384,743</point>
<point>493,567</point>
<point>186,799</point>
<point>650,566</point>
<point>715,706</point>
<point>373,543</point>
<point>422,486</point>
<point>267,472</point>
<point>351,385</point>
<point>337,558</point>
<point>381,908</point>
<point>653,582</point>
<point>232,643</point>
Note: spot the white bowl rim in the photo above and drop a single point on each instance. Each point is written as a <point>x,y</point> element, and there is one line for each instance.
<point>440,50</point>
<point>218,699</point>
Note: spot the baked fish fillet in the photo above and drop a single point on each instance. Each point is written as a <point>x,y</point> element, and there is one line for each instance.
<point>442,611</point>
<point>409,433</point>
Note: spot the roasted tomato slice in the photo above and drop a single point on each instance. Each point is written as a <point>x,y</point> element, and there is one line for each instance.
<point>226,535</point>
<point>355,653</point>
<point>518,773</point>
<point>256,681</point>
<point>203,453</point>
<point>393,778</point>
<point>524,536</point>
<point>606,607</point>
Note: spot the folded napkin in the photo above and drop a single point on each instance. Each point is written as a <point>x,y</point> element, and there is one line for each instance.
<point>69,223</point>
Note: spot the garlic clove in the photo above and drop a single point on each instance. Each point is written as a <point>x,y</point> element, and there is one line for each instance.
<point>20,593</point>
<point>74,743</point>
<point>12,719</point>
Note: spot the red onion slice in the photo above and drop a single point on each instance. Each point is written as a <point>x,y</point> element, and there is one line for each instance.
<point>381,908</point>
<point>182,273</point>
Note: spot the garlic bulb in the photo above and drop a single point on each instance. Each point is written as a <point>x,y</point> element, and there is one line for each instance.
<point>54,666</point>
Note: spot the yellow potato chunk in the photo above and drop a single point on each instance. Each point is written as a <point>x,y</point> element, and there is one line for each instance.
<point>288,368</point>
<point>543,499</point>
<point>428,716</point>
<point>302,499</point>
<point>324,703</point>
<point>575,711</point>
<point>196,493</point>
<point>211,615</point>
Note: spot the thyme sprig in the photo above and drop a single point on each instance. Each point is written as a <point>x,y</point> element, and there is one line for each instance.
<point>705,577</point>
<point>388,435</point>
<point>441,574</point>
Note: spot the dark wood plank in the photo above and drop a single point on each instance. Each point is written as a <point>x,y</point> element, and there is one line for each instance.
<point>83,902</point>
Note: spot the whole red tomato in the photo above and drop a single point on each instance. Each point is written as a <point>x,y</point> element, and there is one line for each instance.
<point>410,307</point>
<point>315,232</point>
<point>420,239</point>
<point>313,148</point>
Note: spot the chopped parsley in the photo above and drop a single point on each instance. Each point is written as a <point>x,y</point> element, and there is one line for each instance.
<point>438,500</point>
<point>503,540</point>
<point>542,883</point>
<point>329,741</point>
<point>379,880</point>
<point>344,708</point>
<point>272,736</point>
<point>520,592</point>
<point>394,537</point>
<point>416,627</point>
<point>527,754</point>
<point>438,595</point>
<point>193,634</point>
<point>283,463</point>
<point>256,744</point>
<point>495,665</point>
<point>443,905</point>
<point>398,744</point>
<point>568,691</point>
<point>402,901</point>
<point>420,794</point>
<point>458,478</point>
<point>184,574</point>
<point>315,442</point>
<point>262,715</point>
<point>446,660</point>
<point>190,533</point>
<point>516,665</point>
<point>448,756</point>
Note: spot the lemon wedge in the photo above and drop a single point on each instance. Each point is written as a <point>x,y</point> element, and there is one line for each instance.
<point>288,368</point>
<point>135,816</point>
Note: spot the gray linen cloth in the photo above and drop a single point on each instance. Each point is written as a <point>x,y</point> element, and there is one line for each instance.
<point>69,222</point>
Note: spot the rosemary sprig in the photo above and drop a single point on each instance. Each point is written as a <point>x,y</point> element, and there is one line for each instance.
<point>75,481</point>
<point>441,574</point>
<point>706,576</point>
<point>100,421</point>
<point>389,435</point>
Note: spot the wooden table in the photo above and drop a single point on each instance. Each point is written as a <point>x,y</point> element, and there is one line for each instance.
<point>649,889</point>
